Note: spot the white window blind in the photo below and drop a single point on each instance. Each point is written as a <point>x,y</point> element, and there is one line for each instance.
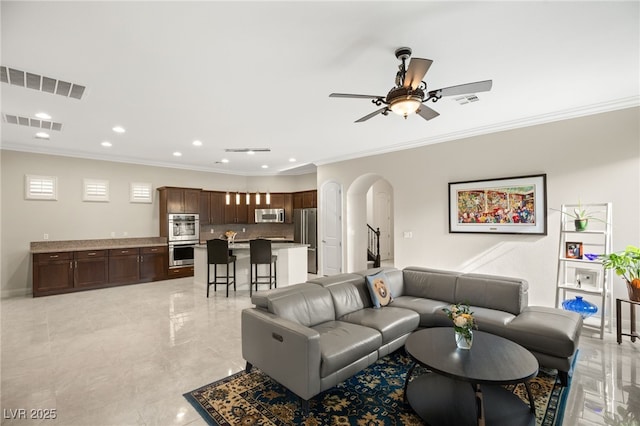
<point>95,190</point>
<point>141,192</point>
<point>40,187</point>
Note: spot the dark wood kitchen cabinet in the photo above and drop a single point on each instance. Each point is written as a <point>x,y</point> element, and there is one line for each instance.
<point>52,273</point>
<point>236,213</point>
<point>288,208</point>
<point>305,199</point>
<point>212,207</point>
<point>179,200</point>
<point>277,201</point>
<point>91,268</point>
<point>153,263</point>
<point>124,265</point>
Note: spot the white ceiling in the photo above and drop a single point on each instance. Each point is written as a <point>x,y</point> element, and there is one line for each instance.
<point>258,74</point>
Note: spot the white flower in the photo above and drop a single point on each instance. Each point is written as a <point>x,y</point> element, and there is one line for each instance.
<point>460,321</point>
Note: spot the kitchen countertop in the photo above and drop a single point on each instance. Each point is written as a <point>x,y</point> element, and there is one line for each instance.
<point>105,244</point>
<point>276,245</point>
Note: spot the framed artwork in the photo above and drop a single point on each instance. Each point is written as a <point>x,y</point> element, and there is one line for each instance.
<point>513,205</point>
<point>573,250</point>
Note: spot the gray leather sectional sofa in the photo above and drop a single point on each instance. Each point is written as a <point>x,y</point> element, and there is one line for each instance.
<point>311,336</point>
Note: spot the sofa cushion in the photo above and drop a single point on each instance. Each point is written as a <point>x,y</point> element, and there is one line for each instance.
<point>347,298</point>
<point>493,292</point>
<point>308,306</point>
<point>429,310</point>
<point>342,343</point>
<point>261,298</point>
<point>391,322</point>
<point>430,284</point>
<point>379,290</point>
<point>491,320</point>
<point>546,330</point>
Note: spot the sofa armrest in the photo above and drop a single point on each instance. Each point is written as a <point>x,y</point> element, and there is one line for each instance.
<point>286,351</point>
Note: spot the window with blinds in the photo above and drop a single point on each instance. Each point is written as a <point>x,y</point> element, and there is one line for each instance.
<point>95,190</point>
<point>40,187</point>
<point>141,192</point>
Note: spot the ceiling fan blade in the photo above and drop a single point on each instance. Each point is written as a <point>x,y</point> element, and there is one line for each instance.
<point>426,112</point>
<point>478,86</point>
<point>350,95</point>
<point>373,114</point>
<point>416,71</point>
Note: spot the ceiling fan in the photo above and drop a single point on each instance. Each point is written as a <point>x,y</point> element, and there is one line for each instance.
<point>410,92</point>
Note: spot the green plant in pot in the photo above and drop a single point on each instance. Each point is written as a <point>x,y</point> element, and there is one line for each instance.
<point>626,264</point>
<point>581,217</point>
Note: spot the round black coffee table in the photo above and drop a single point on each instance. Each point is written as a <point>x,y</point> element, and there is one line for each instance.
<point>464,388</point>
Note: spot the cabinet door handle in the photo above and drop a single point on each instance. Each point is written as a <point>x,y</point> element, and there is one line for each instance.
<point>141,259</point>
<point>71,264</point>
<point>124,251</point>
<point>53,256</point>
<point>76,265</point>
<point>91,254</point>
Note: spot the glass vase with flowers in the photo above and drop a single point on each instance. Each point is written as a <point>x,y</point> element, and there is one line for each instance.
<point>463,324</point>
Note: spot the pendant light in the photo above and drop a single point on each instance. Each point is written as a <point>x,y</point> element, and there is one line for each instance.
<point>247,198</point>
<point>257,198</point>
<point>237,198</point>
<point>227,198</point>
<point>268,198</point>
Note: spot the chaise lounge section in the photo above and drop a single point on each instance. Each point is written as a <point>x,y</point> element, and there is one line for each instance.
<point>311,336</point>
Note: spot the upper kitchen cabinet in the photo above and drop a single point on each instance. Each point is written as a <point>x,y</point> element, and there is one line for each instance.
<point>180,200</point>
<point>288,208</point>
<point>277,201</point>
<point>212,207</point>
<point>236,212</point>
<point>305,199</point>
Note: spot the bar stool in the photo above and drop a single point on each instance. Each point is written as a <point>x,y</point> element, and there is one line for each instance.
<point>218,254</point>
<point>260,254</point>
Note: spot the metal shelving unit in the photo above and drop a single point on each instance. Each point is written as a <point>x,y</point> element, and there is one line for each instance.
<point>578,275</point>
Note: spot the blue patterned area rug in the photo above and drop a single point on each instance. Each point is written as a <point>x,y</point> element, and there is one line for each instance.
<point>372,397</point>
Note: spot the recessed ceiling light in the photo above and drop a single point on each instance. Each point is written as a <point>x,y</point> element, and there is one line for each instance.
<point>197,143</point>
<point>264,166</point>
<point>43,116</point>
<point>292,160</point>
<point>42,135</point>
<point>106,144</point>
<point>224,160</point>
<point>177,154</point>
<point>119,129</point>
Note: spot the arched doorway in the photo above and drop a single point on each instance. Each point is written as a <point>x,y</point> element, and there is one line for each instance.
<point>357,213</point>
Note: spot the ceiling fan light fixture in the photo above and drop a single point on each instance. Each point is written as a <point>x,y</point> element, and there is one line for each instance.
<point>405,106</point>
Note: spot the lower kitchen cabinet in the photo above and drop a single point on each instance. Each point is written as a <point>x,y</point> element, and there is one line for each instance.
<point>181,272</point>
<point>66,272</point>
<point>90,268</point>
<point>124,266</point>
<point>153,263</point>
<point>52,273</point>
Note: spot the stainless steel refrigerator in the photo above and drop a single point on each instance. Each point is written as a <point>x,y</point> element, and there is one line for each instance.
<point>306,232</point>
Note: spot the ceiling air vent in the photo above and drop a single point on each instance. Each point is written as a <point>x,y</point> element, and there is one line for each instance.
<point>41,83</point>
<point>466,99</point>
<point>32,122</point>
<point>248,150</point>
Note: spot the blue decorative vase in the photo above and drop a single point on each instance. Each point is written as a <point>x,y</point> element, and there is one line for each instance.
<point>581,306</point>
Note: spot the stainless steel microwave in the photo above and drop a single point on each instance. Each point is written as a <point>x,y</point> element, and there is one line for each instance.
<point>269,215</point>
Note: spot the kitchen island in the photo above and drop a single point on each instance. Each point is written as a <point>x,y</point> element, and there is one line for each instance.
<point>291,264</point>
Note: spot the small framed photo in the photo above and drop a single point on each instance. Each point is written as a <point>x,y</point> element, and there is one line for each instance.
<point>573,250</point>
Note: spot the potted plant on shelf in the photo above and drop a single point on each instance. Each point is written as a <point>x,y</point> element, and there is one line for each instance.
<point>581,216</point>
<point>626,264</point>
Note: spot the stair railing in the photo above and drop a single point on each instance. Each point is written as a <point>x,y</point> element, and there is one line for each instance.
<point>373,247</point>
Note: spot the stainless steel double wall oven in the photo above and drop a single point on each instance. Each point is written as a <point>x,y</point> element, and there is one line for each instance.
<point>184,234</point>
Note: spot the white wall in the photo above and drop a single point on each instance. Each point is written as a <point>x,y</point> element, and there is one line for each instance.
<point>69,218</point>
<point>594,159</point>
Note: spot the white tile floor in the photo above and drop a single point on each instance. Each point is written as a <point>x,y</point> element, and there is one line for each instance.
<point>125,356</point>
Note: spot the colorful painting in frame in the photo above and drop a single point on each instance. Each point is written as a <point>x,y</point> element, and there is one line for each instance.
<point>513,205</point>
